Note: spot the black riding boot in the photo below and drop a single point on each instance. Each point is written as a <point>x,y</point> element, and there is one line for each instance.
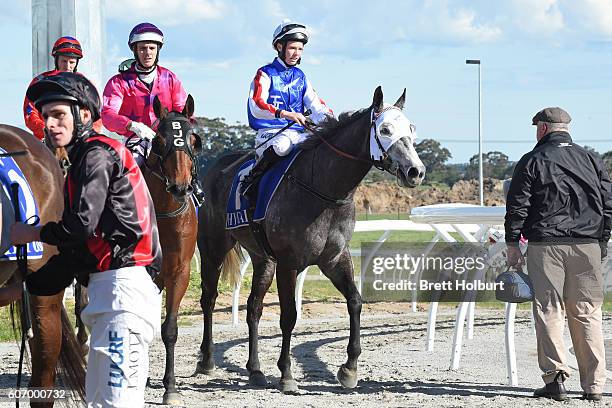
<point>250,183</point>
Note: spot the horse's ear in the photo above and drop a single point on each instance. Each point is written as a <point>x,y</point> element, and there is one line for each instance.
<point>377,102</point>
<point>196,142</point>
<point>189,107</point>
<point>400,102</point>
<point>158,109</point>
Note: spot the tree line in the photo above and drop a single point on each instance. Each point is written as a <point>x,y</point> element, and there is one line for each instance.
<point>220,137</point>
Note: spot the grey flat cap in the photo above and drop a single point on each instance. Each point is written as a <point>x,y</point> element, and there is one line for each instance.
<point>551,115</point>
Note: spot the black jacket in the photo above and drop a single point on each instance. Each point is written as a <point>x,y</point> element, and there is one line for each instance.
<point>559,192</point>
<point>108,221</point>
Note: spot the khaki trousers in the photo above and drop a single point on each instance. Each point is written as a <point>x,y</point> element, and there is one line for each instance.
<point>567,281</point>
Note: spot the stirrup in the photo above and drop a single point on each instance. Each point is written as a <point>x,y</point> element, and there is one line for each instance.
<point>249,182</point>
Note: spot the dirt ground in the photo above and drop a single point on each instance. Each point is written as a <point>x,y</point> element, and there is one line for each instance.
<point>394,369</point>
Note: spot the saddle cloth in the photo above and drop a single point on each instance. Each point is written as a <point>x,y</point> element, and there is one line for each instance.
<point>10,173</point>
<point>237,204</point>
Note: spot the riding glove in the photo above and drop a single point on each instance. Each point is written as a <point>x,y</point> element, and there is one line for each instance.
<point>142,130</point>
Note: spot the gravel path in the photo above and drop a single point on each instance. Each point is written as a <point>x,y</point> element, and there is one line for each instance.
<point>394,369</point>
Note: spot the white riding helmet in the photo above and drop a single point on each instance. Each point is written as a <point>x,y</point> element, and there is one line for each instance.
<point>289,31</point>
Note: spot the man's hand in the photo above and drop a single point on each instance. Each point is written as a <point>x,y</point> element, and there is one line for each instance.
<point>297,117</point>
<point>141,130</point>
<point>23,233</point>
<point>514,257</point>
<point>603,246</point>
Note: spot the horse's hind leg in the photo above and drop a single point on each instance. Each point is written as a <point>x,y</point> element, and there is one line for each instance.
<point>80,302</point>
<point>217,251</point>
<point>263,272</point>
<point>285,282</point>
<point>341,275</point>
<point>211,262</point>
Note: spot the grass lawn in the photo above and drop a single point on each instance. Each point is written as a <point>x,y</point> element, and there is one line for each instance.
<point>314,289</point>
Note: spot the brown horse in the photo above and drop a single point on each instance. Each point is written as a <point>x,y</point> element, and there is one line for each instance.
<point>54,339</point>
<point>168,174</point>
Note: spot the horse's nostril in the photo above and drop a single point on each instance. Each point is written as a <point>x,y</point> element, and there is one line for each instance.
<point>413,172</point>
<point>421,174</point>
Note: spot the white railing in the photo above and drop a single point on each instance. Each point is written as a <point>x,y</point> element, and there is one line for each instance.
<point>472,223</point>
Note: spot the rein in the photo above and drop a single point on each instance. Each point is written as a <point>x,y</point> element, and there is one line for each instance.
<point>384,164</point>
<point>22,266</point>
<point>157,169</point>
<point>162,176</point>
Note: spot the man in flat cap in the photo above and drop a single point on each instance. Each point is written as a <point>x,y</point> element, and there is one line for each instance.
<point>560,199</point>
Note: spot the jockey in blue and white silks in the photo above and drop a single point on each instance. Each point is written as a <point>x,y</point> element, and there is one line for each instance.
<point>280,93</point>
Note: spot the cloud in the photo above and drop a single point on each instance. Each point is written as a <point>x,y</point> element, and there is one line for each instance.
<point>368,31</point>
<point>438,22</point>
<point>274,8</point>
<point>538,17</point>
<point>166,12</point>
<point>593,16</point>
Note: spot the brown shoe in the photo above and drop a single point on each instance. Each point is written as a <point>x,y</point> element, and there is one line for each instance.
<point>554,390</point>
<point>591,397</point>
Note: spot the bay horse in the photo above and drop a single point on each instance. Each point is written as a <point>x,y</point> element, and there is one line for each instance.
<point>309,221</point>
<point>54,340</point>
<point>168,171</point>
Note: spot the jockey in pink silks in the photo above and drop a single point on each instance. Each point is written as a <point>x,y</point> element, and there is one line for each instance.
<point>128,96</point>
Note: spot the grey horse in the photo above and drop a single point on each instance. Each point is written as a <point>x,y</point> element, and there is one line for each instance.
<point>309,221</point>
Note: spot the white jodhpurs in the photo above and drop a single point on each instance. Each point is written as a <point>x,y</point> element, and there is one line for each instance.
<point>282,143</point>
<point>123,316</point>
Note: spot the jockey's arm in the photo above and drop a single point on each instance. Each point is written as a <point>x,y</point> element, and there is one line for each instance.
<point>258,96</point>
<point>112,100</point>
<point>319,110</point>
<point>33,119</point>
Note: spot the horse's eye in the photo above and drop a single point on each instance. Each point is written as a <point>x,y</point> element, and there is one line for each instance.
<point>386,129</point>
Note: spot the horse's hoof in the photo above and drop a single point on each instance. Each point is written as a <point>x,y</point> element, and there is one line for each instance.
<point>257,379</point>
<point>204,368</point>
<point>347,377</point>
<point>173,398</point>
<point>288,386</point>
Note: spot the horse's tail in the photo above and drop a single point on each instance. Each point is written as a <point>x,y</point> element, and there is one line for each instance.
<point>230,269</point>
<point>71,360</point>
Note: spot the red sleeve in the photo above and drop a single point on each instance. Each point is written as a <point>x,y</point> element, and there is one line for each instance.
<point>33,119</point>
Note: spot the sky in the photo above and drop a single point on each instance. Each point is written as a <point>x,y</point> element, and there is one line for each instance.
<point>534,53</point>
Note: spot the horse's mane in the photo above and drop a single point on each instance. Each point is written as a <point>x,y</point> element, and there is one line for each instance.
<point>330,127</point>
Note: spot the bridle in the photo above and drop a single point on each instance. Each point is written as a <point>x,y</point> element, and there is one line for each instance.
<point>177,140</point>
<point>385,163</point>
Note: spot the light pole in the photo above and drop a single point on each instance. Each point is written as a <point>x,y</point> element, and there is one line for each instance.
<point>480,178</point>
